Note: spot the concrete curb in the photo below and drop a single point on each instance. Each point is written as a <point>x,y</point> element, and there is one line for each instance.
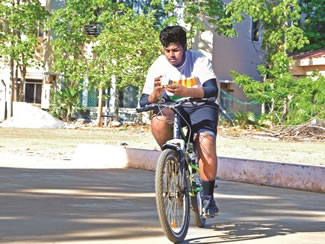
<point>294,176</point>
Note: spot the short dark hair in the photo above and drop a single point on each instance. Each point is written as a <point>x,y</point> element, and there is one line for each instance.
<point>173,34</point>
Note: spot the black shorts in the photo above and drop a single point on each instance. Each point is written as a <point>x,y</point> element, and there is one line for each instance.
<point>202,118</point>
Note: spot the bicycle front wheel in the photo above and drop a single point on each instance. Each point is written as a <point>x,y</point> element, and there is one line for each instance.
<point>172,197</point>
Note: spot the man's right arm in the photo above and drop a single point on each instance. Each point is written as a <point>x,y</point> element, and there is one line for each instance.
<point>147,99</point>
<point>144,100</point>
<point>154,96</point>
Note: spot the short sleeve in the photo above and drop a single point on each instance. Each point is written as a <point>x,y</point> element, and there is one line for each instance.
<point>150,79</point>
<point>204,69</point>
<point>153,72</point>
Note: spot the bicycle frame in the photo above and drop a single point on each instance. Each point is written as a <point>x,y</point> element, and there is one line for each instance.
<point>177,143</point>
<point>180,144</point>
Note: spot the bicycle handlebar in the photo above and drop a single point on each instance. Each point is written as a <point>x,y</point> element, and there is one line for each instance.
<point>152,106</point>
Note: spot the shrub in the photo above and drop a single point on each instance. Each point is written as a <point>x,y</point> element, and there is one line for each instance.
<point>65,104</point>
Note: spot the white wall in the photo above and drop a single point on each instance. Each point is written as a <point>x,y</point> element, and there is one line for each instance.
<point>6,91</point>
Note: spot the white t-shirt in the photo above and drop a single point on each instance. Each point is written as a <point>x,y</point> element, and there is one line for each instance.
<point>196,70</point>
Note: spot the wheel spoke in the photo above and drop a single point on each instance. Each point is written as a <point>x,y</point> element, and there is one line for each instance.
<point>173,201</point>
<point>173,196</point>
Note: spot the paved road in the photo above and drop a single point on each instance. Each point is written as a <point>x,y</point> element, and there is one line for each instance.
<point>118,206</point>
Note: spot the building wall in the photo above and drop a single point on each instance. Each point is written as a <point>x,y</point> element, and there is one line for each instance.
<point>6,91</point>
<point>307,66</point>
<point>239,54</point>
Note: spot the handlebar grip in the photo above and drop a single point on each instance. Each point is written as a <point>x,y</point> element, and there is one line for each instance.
<point>152,106</point>
<point>145,108</point>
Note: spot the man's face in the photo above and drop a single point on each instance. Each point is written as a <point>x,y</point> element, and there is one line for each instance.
<point>175,54</point>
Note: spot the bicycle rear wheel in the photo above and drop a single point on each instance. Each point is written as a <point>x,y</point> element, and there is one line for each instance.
<point>196,202</point>
<point>172,197</point>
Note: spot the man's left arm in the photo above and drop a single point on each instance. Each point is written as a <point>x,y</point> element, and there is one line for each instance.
<point>210,88</point>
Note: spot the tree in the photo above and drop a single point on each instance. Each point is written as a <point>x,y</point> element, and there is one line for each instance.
<point>74,28</point>
<point>193,13</point>
<point>313,23</point>
<point>126,45</point>
<point>308,101</point>
<point>70,53</point>
<point>125,49</point>
<point>196,15</point>
<point>280,37</point>
<point>278,22</point>
<point>19,26</point>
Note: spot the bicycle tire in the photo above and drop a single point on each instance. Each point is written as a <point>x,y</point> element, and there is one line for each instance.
<point>172,197</point>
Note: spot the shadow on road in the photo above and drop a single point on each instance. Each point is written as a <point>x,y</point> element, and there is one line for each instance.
<point>56,205</point>
<point>261,212</point>
<point>74,205</point>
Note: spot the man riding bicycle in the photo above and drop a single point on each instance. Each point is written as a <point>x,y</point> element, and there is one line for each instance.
<point>186,73</point>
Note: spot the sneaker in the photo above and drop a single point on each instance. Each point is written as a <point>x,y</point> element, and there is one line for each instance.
<point>210,208</point>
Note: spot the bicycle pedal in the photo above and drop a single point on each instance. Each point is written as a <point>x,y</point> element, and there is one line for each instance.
<point>210,216</point>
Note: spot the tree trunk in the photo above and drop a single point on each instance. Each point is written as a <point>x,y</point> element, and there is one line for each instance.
<point>100,108</point>
<point>13,85</point>
<point>23,72</point>
<point>116,109</point>
<point>263,105</point>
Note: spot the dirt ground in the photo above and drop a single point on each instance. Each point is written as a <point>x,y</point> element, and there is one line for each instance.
<point>61,144</point>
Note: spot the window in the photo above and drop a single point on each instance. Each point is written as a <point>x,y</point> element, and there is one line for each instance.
<point>255,30</point>
<point>92,99</point>
<point>128,97</point>
<point>92,29</point>
<point>33,91</point>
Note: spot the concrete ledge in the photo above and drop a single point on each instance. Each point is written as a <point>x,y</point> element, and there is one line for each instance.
<point>294,176</point>
<point>108,156</point>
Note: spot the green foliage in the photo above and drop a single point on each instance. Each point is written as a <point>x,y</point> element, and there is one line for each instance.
<point>126,47</point>
<point>254,89</point>
<point>279,21</point>
<point>18,29</point>
<point>194,14</point>
<point>308,101</point>
<point>211,11</point>
<point>65,104</point>
<point>287,100</point>
<point>313,23</point>
<point>69,47</point>
<point>244,120</point>
<point>250,120</point>
<point>19,23</point>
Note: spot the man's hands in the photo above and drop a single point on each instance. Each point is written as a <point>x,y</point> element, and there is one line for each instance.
<point>157,90</point>
<point>182,91</point>
<point>175,88</point>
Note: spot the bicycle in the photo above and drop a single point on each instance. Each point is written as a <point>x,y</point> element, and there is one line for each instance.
<point>177,179</point>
